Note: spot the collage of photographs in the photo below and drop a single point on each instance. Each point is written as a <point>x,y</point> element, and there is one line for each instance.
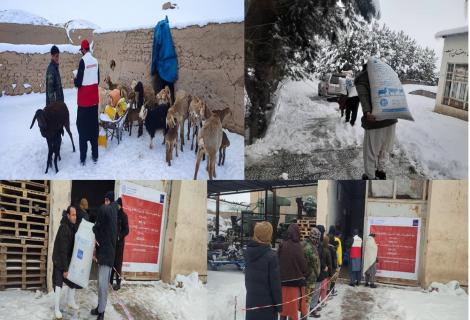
<point>234,160</point>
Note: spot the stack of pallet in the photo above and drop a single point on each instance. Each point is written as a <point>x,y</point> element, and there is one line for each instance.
<point>305,226</point>
<point>24,223</point>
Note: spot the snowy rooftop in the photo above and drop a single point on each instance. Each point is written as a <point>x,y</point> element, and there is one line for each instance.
<point>22,17</point>
<point>80,24</point>
<point>452,32</point>
<point>37,48</point>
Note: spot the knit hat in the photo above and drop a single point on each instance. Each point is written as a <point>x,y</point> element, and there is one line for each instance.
<point>119,201</point>
<point>84,204</point>
<point>315,234</point>
<point>110,196</point>
<point>263,232</point>
<point>85,44</point>
<point>54,50</point>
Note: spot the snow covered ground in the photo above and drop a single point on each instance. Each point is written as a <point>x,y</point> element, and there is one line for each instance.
<point>223,286</point>
<point>434,145</point>
<point>382,303</point>
<point>24,151</point>
<point>142,300</point>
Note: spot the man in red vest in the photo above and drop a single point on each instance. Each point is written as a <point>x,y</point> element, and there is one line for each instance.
<point>87,80</point>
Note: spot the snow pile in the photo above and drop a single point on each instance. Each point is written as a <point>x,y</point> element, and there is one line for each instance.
<point>131,159</point>
<point>436,144</point>
<point>22,17</point>
<point>223,288</point>
<point>191,13</point>
<point>450,288</point>
<point>37,48</point>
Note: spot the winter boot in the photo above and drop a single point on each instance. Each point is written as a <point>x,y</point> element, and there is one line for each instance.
<point>379,174</point>
<point>365,177</point>
<point>117,286</point>
<point>373,286</point>
<point>100,316</point>
<point>366,284</point>
<point>314,315</point>
<point>57,313</point>
<point>71,300</point>
<point>94,312</point>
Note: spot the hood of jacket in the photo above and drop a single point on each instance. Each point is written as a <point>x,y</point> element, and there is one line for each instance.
<point>255,250</point>
<point>293,233</point>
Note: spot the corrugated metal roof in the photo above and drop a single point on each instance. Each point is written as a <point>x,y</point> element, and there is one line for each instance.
<point>240,186</point>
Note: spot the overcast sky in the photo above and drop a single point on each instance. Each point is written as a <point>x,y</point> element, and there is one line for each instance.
<point>422,19</point>
<point>125,14</point>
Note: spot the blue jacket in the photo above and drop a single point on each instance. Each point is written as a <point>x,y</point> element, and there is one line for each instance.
<point>164,59</point>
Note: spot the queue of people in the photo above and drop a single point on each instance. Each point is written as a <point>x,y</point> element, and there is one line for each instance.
<point>110,229</point>
<point>296,279</point>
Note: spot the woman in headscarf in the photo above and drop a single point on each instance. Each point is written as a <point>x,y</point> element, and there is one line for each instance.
<point>294,272</point>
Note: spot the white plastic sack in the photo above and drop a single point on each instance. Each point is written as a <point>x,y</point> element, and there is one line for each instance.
<point>82,256</point>
<point>342,86</point>
<point>386,92</point>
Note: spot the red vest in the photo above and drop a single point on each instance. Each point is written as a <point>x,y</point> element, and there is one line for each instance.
<point>88,93</point>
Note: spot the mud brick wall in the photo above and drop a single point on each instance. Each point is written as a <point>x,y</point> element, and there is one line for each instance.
<point>20,69</point>
<point>210,62</point>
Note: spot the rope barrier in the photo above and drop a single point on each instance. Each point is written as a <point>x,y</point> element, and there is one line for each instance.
<point>333,277</point>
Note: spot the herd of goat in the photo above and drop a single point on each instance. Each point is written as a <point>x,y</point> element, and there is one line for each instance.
<point>158,113</point>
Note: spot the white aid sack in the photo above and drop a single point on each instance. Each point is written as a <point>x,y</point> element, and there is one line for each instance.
<point>82,256</point>
<point>386,92</point>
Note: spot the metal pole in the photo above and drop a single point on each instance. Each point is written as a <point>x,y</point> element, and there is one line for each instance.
<point>266,205</point>
<point>217,214</point>
<point>275,218</point>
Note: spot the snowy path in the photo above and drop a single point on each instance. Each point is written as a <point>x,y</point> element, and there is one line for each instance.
<point>143,300</point>
<point>308,139</point>
<point>24,151</point>
<point>358,303</point>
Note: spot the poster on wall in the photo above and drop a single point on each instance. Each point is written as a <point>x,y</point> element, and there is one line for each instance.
<point>145,208</point>
<point>397,240</point>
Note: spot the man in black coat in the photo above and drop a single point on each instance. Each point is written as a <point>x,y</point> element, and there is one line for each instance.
<point>54,92</point>
<point>122,232</point>
<point>262,275</point>
<point>61,256</point>
<point>105,230</point>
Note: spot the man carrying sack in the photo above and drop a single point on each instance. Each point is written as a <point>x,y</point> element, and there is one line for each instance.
<point>61,256</point>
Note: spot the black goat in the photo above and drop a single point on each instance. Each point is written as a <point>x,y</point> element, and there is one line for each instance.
<point>155,119</point>
<point>51,121</point>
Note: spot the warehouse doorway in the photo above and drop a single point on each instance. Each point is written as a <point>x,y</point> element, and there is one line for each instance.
<point>94,191</point>
<point>347,214</point>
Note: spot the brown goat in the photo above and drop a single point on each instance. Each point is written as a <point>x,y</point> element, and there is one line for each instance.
<point>171,141</point>
<point>223,146</point>
<point>210,140</point>
<point>178,113</point>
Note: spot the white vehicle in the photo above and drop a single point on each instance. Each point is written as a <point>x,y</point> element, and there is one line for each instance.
<point>332,85</point>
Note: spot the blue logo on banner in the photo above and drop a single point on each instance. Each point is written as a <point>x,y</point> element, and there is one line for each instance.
<point>415,223</point>
<point>162,198</point>
<point>80,254</point>
<point>383,102</point>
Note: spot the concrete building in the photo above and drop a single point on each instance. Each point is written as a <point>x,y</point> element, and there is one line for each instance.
<point>423,224</point>
<point>182,230</point>
<point>452,92</point>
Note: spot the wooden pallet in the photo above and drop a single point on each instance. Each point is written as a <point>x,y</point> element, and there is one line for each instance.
<point>33,218</point>
<point>31,185</point>
<point>305,226</point>
<point>24,232</point>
